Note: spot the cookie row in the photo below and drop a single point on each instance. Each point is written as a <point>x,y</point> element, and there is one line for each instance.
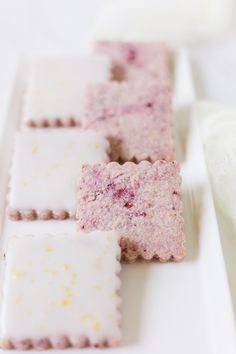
<point>130,210</point>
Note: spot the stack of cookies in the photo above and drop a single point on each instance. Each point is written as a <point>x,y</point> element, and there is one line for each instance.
<point>95,145</point>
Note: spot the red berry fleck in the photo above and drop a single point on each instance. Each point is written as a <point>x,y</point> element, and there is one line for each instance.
<point>128,205</point>
<point>119,193</point>
<point>131,55</point>
<point>140,213</point>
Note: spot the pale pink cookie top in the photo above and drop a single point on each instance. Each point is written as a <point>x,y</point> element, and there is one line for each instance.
<point>136,117</point>
<point>63,289</point>
<point>136,60</point>
<point>142,201</point>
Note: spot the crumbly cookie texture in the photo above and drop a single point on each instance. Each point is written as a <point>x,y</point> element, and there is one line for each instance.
<point>136,60</point>
<point>60,291</point>
<point>136,117</point>
<point>45,169</point>
<point>55,92</point>
<point>142,202</point>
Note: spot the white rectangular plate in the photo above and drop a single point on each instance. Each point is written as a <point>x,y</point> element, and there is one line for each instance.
<point>167,308</point>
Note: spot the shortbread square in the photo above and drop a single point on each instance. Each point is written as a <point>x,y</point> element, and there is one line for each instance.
<point>61,290</point>
<point>55,91</point>
<point>136,118</point>
<point>143,202</point>
<point>45,169</point>
<point>137,60</point>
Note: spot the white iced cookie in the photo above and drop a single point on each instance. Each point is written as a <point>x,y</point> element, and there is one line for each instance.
<point>61,290</point>
<point>55,91</point>
<point>45,169</point>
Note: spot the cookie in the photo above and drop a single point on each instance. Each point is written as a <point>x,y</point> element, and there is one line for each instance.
<point>45,169</point>
<point>143,202</point>
<point>61,291</point>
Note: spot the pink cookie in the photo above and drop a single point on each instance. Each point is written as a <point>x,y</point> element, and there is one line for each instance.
<point>135,117</point>
<point>136,60</point>
<point>142,201</point>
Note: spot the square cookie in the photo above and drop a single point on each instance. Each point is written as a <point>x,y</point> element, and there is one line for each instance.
<point>61,290</point>
<point>137,60</point>
<point>136,117</point>
<point>55,92</point>
<point>45,169</point>
<point>143,202</point>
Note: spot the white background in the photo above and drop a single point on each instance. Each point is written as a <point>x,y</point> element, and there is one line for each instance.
<point>39,26</point>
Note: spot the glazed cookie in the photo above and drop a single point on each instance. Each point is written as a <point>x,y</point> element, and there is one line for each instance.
<point>143,202</point>
<point>50,301</point>
<point>55,92</point>
<point>45,169</point>
<point>136,60</point>
<point>136,117</point>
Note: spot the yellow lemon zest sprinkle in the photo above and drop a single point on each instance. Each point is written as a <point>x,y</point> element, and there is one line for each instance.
<point>97,146</point>
<point>55,165</point>
<point>18,274</point>
<point>66,301</point>
<point>24,184</point>
<point>86,317</point>
<point>68,295</point>
<point>109,237</point>
<point>96,326</point>
<point>66,266</point>
<point>35,149</point>
<point>49,249</point>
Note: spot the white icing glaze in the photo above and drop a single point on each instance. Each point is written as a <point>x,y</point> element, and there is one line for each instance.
<point>63,284</point>
<point>47,164</point>
<point>56,86</point>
